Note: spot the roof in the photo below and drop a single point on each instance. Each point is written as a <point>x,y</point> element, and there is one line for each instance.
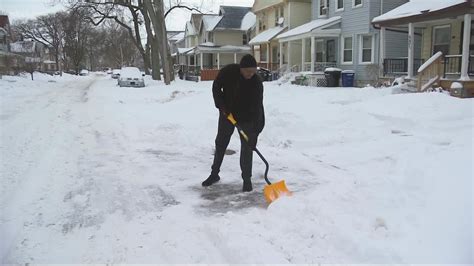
<point>310,26</point>
<point>185,50</point>
<point>210,21</point>
<point>232,17</point>
<point>417,8</point>
<point>248,21</point>
<point>224,49</point>
<point>177,37</point>
<point>267,35</point>
<point>23,47</point>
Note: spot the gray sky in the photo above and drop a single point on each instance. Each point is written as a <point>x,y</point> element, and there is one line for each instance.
<point>21,9</point>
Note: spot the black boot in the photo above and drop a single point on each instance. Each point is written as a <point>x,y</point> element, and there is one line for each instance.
<point>247,187</point>
<point>211,180</point>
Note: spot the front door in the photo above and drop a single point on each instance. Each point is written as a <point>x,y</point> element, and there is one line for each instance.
<point>331,51</point>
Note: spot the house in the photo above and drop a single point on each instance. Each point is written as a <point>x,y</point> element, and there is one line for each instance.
<point>31,53</point>
<point>176,40</point>
<point>215,40</point>
<point>273,18</point>
<point>6,57</point>
<point>341,35</point>
<point>447,45</point>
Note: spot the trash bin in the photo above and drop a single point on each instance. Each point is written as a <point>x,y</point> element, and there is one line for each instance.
<point>348,78</point>
<point>332,76</point>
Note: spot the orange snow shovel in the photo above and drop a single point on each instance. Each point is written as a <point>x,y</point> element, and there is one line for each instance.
<point>271,191</point>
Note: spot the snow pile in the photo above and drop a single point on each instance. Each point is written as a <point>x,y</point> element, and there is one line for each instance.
<point>112,174</point>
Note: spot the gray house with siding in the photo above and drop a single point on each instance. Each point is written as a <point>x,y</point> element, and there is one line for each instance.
<point>341,35</point>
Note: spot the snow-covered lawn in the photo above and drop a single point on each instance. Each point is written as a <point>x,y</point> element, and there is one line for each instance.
<point>91,172</point>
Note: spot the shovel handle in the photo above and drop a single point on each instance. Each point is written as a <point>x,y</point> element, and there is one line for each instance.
<point>231,118</point>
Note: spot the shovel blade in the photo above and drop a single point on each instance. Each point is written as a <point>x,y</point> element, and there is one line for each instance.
<point>274,191</point>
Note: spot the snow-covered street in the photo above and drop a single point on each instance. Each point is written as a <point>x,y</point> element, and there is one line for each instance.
<point>91,172</point>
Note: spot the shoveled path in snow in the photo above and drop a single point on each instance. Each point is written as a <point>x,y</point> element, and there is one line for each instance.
<point>91,172</point>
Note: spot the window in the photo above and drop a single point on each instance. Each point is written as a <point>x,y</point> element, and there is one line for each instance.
<point>211,37</point>
<point>244,39</point>
<point>323,7</point>
<point>347,50</point>
<point>366,46</point>
<point>441,39</point>
<point>319,51</point>
<point>356,3</point>
<point>339,5</point>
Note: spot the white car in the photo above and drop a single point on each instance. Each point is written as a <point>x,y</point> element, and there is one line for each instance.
<point>115,73</point>
<point>131,77</point>
<point>84,72</point>
<point>109,71</point>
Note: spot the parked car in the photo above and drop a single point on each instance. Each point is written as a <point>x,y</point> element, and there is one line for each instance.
<point>115,73</point>
<point>131,77</point>
<point>265,74</point>
<point>84,72</point>
<point>108,70</point>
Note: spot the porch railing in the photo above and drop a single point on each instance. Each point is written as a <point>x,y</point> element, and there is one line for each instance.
<point>399,66</point>
<point>430,72</point>
<point>320,67</point>
<point>452,65</point>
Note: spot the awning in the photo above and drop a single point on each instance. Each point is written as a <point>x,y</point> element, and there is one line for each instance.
<point>317,26</point>
<point>223,49</point>
<point>267,35</point>
<point>185,51</point>
<point>421,8</point>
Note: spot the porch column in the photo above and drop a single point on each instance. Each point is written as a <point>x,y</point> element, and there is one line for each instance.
<point>313,54</point>
<point>289,55</point>
<point>235,58</point>
<point>218,61</point>
<point>195,60</point>
<point>201,59</point>
<point>303,53</point>
<point>382,49</point>
<point>268,55</point>
<point>281,54</point>
<point>411,49</point>
<point>465,47</point>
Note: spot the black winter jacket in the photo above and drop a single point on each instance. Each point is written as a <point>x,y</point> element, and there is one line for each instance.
<point>239,96</point>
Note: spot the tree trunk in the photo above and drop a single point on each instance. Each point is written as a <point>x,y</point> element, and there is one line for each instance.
<point>153,46</point>
<point>155,58</point>
<point>157,21</point>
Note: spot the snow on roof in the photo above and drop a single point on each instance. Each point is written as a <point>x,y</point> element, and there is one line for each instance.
<point>416,7</point>
<point>185,50</point>
<point>177,37</point>
<point>248,21</point>
<point>308,27</point>
<point>210,21</point>
<point>207,44</point>
<point>225,48</point>
<point>23,47</point>
<point>267,35</point>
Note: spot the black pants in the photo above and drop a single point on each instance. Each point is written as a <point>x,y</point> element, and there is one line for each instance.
<point>224,133</point>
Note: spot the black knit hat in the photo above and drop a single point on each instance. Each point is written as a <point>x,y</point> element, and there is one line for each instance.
<point>248,61</point>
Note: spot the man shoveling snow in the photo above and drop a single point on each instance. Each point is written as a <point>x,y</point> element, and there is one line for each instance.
<point>238,90</point>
